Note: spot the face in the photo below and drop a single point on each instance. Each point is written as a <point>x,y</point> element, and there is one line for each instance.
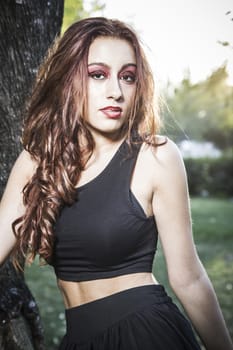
<point>111,84</point>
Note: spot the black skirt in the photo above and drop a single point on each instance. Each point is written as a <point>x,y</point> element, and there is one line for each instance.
<point>140,318</point>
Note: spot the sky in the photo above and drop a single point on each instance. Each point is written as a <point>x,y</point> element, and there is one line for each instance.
<point>180,35</point>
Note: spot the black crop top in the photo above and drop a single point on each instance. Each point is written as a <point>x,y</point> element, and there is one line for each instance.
<point>105,232</point>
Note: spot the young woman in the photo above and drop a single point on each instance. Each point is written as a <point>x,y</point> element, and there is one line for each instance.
<point>93,189</point>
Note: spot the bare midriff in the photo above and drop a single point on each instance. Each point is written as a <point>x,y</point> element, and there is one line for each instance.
<point>78,293</point>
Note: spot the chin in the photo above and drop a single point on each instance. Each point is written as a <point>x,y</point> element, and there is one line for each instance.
<point>116,129</point>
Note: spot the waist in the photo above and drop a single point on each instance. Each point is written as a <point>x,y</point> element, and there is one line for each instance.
<point>96,319</point>
<point>79,293</point>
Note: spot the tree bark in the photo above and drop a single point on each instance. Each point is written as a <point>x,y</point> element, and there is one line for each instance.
<point>27,29</point>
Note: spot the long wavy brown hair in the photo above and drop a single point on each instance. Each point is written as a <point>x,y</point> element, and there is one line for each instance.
<point>54,121</point>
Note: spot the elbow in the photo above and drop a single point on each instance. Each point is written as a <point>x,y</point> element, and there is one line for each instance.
<point>188,280</point>
<point>187,274</point>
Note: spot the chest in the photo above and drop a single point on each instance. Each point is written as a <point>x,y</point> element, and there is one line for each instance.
<point>105,225</point>
<point>108,222</point>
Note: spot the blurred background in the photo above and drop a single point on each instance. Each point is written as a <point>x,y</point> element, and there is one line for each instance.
<point>190,48</point>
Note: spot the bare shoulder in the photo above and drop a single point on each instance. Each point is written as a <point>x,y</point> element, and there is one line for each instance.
<point>11,205</point>
<point>166,162</point>
<point>24,167</point>
<point>164,153</point>
<point>26,159</point>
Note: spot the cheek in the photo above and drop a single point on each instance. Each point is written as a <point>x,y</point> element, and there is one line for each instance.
<point>92,97</point>
<point>130,94</point>
<point>94,91</point>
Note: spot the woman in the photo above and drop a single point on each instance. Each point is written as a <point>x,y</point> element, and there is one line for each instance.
<point>92,190</point>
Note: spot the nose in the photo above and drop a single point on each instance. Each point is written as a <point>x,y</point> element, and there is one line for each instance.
<point>113,88</point>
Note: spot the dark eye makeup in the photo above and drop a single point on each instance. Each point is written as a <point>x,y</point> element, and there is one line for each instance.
<point>97,74</point>
<point>128,77</point>
<point>127,74</point>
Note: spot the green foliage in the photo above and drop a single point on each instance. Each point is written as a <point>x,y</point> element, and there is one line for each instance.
<point>208,176</point>
<point>75,10</point>
<point>202,111</point>
<point>42,283</point>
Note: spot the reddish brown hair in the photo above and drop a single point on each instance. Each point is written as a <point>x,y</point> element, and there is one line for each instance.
<point>55,120</point>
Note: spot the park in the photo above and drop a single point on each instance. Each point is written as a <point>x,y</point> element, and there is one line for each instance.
<point>197,116</point>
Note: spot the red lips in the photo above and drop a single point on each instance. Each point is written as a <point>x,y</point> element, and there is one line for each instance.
<point>112,112</point>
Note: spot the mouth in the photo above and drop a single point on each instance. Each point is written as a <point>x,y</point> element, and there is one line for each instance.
<point>112,112</point>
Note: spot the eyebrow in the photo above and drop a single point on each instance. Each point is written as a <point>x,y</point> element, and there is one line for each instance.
<point>107,66</point>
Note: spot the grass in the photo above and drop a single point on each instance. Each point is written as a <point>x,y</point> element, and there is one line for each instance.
<point>213,235</point>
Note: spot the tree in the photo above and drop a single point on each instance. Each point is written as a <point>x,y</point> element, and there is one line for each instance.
<point>27,29</point>
<point>75,10</point>
<point>202,111</point>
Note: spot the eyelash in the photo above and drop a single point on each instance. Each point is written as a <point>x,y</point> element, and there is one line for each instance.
<point>97,73</point>
<point>129,78</point>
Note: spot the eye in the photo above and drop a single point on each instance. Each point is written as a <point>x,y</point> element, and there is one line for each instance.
<point>97,75</point>
<point>128,77</point>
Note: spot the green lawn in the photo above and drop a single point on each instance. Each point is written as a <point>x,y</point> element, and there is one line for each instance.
<point>213,235</point>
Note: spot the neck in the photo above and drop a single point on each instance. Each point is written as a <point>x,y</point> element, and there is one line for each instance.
<point>106,144</point>
<point>107,140</point>
<point>103,143</point>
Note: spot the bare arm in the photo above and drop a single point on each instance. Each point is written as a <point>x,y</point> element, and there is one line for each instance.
<point>187,275</point>
<point>11,206</point>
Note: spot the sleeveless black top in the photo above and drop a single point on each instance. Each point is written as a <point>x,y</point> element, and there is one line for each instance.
<point>105,232</point>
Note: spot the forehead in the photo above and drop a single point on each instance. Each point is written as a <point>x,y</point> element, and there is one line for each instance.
<point>111,51</point>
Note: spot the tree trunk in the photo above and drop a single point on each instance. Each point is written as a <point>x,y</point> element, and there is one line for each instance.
<point>27,29</point>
